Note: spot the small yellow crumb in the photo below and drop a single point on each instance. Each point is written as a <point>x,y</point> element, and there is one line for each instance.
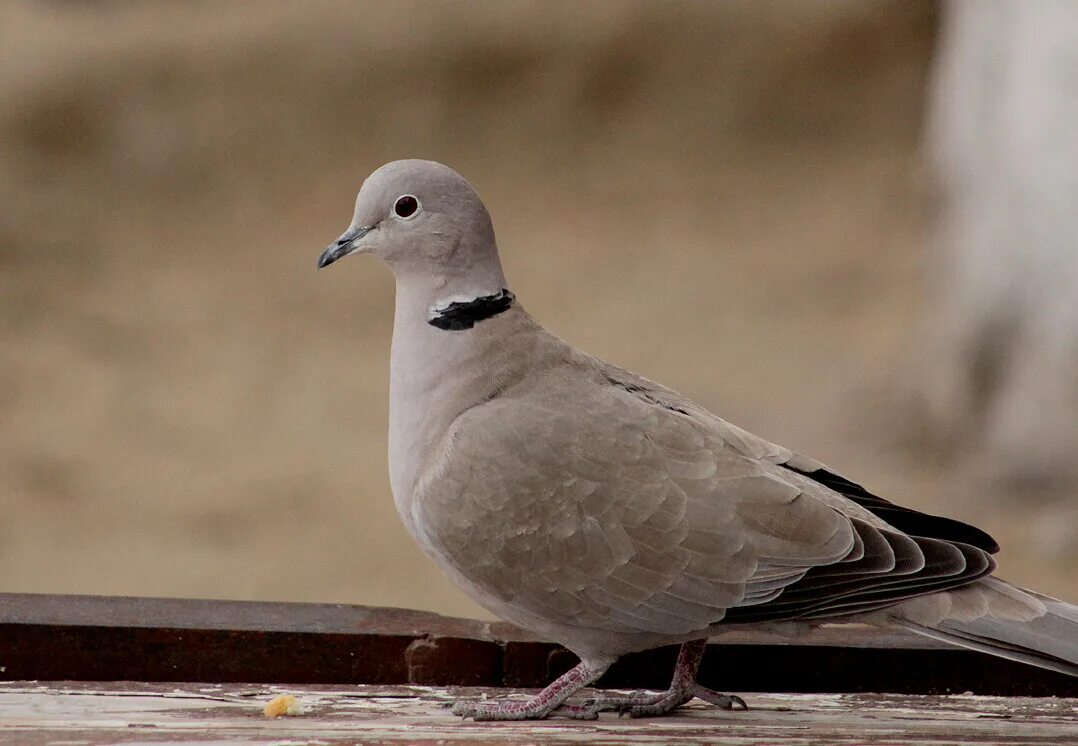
<point>284,704</point>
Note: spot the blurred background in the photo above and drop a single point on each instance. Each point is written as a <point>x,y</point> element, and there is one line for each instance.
<point>770,206</point>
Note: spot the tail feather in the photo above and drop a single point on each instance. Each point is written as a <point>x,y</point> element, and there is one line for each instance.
<point>995,617</point>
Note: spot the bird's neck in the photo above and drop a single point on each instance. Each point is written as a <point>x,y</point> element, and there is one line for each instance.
<point>453,348</point>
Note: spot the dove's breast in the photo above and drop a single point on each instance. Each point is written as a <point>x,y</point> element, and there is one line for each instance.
<point>554,508</point>
<point>438,379</point>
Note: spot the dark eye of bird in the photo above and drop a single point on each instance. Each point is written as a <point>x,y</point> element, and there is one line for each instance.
<point>406,206</point>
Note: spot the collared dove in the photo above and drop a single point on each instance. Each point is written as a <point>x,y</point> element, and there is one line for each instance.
<point>611,514</point>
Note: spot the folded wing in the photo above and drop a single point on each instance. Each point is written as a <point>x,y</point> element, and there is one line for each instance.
<point>620,507</point>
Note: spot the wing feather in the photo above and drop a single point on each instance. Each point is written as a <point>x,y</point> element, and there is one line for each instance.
<point>620,506</point>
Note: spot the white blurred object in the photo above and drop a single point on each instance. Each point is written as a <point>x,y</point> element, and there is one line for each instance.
<point>1003,133</point>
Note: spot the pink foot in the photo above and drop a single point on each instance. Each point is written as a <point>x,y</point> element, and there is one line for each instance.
<point>682,689</point>
<point>539,706</point>
<point>651,704</point>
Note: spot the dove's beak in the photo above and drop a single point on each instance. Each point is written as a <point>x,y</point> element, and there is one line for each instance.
<point>344,245</point>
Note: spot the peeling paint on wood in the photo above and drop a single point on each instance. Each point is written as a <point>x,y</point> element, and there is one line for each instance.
<point>126,712</point>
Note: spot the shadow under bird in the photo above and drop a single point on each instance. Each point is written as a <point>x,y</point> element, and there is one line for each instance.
<point>608,513</point>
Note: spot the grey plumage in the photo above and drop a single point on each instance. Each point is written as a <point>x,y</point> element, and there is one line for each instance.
<point>612,514</point>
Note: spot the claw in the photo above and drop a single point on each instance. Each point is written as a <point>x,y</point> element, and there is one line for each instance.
<point>582,712</point>
<point>464,709</point>
<point>722,701</point>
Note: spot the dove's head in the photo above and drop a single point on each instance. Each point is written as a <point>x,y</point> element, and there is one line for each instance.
<point>426,222</point>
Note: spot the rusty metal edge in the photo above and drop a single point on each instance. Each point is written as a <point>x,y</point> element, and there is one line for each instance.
<point>325,618</point>
<point>95,638</point>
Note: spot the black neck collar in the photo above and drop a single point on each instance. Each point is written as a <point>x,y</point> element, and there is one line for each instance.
<point>460,315</point>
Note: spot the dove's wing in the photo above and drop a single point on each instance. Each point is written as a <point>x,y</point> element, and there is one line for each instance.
<point>593,498</point>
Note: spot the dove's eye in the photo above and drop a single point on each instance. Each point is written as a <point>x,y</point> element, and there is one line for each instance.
<point>406,206</point>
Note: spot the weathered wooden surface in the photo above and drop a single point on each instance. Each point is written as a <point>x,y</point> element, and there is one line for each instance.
<point>70,714</point>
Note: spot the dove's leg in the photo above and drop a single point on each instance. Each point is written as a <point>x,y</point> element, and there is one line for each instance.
<point>683,688</point>
<point>543,703</point>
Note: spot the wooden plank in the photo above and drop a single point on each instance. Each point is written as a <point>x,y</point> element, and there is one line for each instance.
<point>141,639</point>
<point>68,714</point>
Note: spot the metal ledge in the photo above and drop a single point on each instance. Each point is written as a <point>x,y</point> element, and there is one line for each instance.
<point>96,638</point>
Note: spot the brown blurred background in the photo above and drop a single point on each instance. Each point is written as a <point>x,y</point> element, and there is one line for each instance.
<point>726,197</point>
